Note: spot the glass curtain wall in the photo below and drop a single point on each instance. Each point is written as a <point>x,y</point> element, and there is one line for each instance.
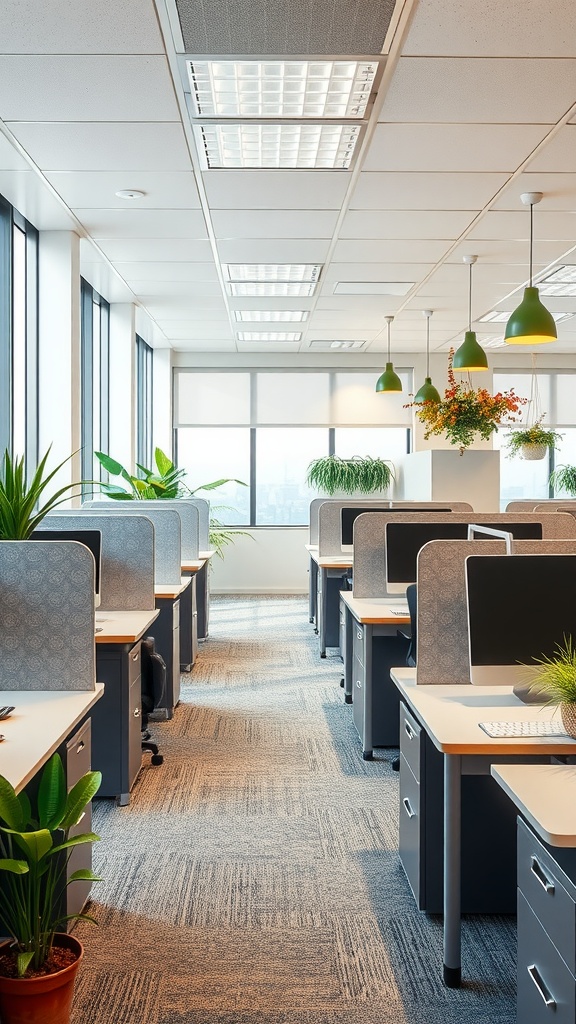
<point>95,379</point>
<point>144,399</point>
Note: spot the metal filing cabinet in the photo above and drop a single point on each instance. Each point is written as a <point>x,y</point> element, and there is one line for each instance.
<point>76,758</point>
<point>117,719</point>
<point>375,650</point>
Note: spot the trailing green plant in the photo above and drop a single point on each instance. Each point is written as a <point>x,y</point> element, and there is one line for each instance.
<point>167,481</point>
<point>21,508</point>
<point>564,479</point>
<point>556,678</point>
<point>366,475</point>
<point>35,846</point>
<point>534,435</point>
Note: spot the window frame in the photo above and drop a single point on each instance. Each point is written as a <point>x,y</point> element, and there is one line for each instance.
<point>144,402</point>
<point>88,298</point>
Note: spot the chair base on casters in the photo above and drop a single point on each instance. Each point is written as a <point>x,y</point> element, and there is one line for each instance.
<point>153,748</point>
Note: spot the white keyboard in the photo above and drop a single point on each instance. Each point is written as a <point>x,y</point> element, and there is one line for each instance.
<point>505,730</point>
<point>400,611</point>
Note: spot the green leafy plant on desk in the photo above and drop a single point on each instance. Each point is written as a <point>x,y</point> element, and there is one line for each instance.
<point>555,681</point>
<point>163,482</point>
<point>23,504</point>
<point>356,475</point>
<point>31,838</point>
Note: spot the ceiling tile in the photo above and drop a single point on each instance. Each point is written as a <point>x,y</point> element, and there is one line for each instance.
<point>26,191</point>
<point>55,26</point>
<point>558,154</point>
<point>206,345</point>
<point>397,250</point>
<point>277,250</point>
<point>432,191</point>
<point>416,224</point>
<point>275,190</point>
<point>197,308</point>
<point>94,190</point>
<point>197,273</point>
<point>195,331</point>
<point>178,289</point>
<point>452,147</point>
<point>59,87</point>
<point>559,192</point>
<point>492,29</point>
<point>467,90</point>
<point>93,147</point>
<point>153,249</point>
<point>274,223</point>
<point>133,223</point>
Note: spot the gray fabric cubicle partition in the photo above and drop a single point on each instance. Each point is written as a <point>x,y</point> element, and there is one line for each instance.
<point>329,529</point>
<point>442,623</point>
<point>187,509</point>
<point>539,505</point>
<point>370,539</point>
<point>167,535</point>
<point>46,616</point>
<point>127,560</point>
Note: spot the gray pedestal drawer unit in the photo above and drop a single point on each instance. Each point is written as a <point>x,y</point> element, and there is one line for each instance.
<point>188,627</point>
<point>546,931</point>
<point>117,719</point>
<point>488,866</point>
<point>373,656</point>
<point>166,632</point>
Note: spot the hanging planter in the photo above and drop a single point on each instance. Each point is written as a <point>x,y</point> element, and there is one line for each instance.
<point>533,452</point>
<point>363,475</point>
<point>533,442</point>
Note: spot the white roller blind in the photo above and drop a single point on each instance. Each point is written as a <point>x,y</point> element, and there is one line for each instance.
<point>357,402</point>
<point>291,398</point>
<point>212,398</point>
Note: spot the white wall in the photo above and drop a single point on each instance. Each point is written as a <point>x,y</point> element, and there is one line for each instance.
<point>270,561</point>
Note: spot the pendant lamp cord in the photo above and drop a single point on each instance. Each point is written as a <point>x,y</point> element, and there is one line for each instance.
<point>388,341</point>
<point>427,346</point>
<point>534,402</point>
<point>531,238</point>
<point>470,298</point>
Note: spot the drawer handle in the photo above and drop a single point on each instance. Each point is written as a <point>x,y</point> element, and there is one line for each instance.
<point>136,712</point>
<point>541,987</point>
<point>80,746</point>
<point>407,808</point>
<point>538,872</point>
<point>359,634</point>
<point>359,684</point>
<point>136,656</point>
<point>409,730</point>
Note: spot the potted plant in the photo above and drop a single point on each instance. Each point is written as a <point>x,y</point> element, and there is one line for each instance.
<point>363,475</point>
<point>564,479</point>
<point>38,963</point>
<point>166,481</point>
<point>23,504</point>
<point>532,442</point>
<point>556,681</point>
<point>466,411</point>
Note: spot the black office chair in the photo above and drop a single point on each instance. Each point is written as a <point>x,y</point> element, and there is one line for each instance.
<point>412,601</point>
<point>153,685</point>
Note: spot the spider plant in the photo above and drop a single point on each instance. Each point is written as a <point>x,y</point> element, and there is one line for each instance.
<point>364,475</point>
<point>556,679</point>
<point>21,508</point>
<point>564,479</point>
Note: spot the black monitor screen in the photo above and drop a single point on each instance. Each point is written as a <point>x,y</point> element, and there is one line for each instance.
<point>520,607</point>
<point>404,540</point>
<point>91,539</point>
<point>349,515</point>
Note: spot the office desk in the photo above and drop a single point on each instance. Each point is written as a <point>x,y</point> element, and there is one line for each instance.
<point>41,722</point>
<point>201,570</point>
<point>117,721</point>
<point>370,647</point>
<point>545,796</point>
<point>167,634</point>
<point>449,715</point>
<point>312,584</point>
<point>329,571</point>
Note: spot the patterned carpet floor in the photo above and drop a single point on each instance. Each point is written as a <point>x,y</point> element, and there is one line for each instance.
<point>254,877</point>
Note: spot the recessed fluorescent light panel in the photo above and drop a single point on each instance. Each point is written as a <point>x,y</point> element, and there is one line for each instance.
<point>271,315</point>
<point>281,88</point>
<point>349,345</point>
<point>272,271</point>
<point>373,287</point>
<point>278,289</point>
<point>499,316</point>
<point>269,335</point>
<point>494,341</point>
<point>312,146</point>
<point>561,281</point>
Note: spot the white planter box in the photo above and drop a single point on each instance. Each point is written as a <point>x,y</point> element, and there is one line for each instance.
<point>442,475</point>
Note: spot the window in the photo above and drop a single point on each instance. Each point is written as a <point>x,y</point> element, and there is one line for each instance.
<point>265,426</point>
<point>18,334</point>
<point>95,351</point>
<point>144,391</point>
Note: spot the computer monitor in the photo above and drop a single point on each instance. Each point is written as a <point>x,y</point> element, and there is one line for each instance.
<point>520,607</point>
<point>404,540</point>
<point>91,539</point>
<point>349,514</point>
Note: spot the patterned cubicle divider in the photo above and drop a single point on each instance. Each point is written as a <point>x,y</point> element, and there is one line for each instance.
<point>370,539</point>
<point>329,528</point>
<point>46,616</point>
<point>167,536</point>
<point>187,510</point>
<point>442,623</point>
<point>127,559</point>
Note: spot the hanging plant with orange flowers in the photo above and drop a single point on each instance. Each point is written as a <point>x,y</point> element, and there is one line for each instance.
<point>466,412</point>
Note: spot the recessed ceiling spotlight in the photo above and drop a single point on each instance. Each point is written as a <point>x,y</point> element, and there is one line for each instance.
<point>130,193</point>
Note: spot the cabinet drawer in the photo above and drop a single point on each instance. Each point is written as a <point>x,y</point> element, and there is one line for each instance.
<point>176,614</point>
<point>410,740</point>
<point>358,642</point>
<point>409,827</point>
<point>134,731</point>
<point>539,881</point>
<point>78,755</point>
<point>546,988</point>
<point>134,664</point>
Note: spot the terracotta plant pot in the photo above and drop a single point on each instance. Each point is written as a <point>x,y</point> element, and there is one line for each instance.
<point>568,712</point>
<point>43,1000</point>
<point>534,452</point>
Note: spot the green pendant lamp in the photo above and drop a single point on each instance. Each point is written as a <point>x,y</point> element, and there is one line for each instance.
<point>470,356</point>
<point>389,380</point>
<point>531,323</point>
<point>427,393</point>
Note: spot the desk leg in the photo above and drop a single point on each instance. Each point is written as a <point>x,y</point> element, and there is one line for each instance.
<point>452,870</point>
<point>349,662</point>
<point>312,589</point>
<point>367,751</point>
<point>323,610</point>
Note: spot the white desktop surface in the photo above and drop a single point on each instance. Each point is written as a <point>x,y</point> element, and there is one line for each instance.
<point>376,610</point>
<point>192,565</point>
<point>37,726</point>
<point>206,555</point>
<point>122,627</point>
<point>172,590</point>
<point>451,715</point>
<point>338,561</point>
<point>546,795</point>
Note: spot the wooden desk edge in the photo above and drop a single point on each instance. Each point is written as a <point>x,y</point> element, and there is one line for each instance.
<point>566,840</point>
<point>128,637</point>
